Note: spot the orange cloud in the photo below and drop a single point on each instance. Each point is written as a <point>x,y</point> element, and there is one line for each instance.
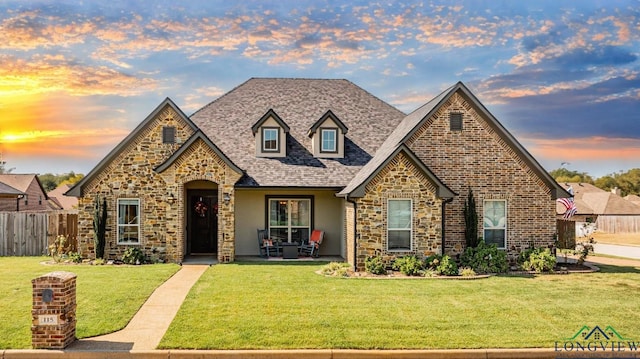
<point>590,148</point>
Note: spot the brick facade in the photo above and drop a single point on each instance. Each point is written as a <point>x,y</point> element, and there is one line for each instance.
<point>132,174</point>
<point>477,158</point>
<point>399,179</point>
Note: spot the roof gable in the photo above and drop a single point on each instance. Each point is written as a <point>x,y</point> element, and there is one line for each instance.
<point>356,188</point>
<point>77,189</point>
<point>270,114</point>
<point>199,135</point>
<point>328,115</point>
<point>415,120</point>
<point>21,182</point>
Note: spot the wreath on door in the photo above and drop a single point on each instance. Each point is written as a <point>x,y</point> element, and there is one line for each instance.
<point>201,208</point>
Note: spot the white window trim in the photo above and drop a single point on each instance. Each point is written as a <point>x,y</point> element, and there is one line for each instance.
<point>277,130</point>
<point>335,140</point>
<point>118,224</point>
<point>506,220</point>
<point>401,229</point>
<point>289,227</point>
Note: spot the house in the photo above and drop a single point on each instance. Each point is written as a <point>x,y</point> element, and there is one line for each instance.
<point>22,192</point>
<point>602,210</point>
<point>61,201</point>
<point>293,155</point>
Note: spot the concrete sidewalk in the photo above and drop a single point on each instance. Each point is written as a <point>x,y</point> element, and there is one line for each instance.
<point>148,326</point>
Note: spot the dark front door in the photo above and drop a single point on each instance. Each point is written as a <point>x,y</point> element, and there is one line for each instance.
<point>202,217</point>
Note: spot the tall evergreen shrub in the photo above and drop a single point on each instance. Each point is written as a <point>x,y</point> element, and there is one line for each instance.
<point>471,221</point>
<point>99,225</point>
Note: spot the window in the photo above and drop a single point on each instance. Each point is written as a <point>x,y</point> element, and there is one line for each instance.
<point>270,139</point>
<point>495,222</point>
<point>128,221</point>
<point>328,138</point>
<point>168,134</point>
<point>290,219</point>
<point>399,219</point>
<point>455,121</point>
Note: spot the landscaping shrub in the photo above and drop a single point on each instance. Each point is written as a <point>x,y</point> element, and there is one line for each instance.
<point>537,259</point>
<point>467,272</point>
<point>75,257</point>
<point>336,269</point>
<point>375,265</point>
<point>471,221</point>
<point>447,266</point>
<point>58,248</point>
<point>408,265</point>
<point>583,249</point>
<point>133,255</point>
<point>485,258</point>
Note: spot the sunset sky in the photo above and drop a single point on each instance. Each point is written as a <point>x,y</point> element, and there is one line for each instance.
<point>77,76</point>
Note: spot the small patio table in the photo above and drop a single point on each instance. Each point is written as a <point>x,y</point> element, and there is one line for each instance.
<point>289,250</point>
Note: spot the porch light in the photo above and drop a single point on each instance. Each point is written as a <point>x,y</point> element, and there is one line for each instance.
<point>171,199</point>
<point>226,198</point>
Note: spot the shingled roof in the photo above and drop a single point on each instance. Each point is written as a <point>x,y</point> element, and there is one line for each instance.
<point>593,200</point>
<point>300,103</point>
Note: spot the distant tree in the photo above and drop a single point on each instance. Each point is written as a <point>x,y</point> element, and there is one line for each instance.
<point>565,175</point>
<point>50,181</point>
<point>606,183</point>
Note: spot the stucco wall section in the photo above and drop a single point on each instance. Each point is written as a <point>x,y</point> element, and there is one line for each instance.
<point>399,179</point>
<point>478,158</point>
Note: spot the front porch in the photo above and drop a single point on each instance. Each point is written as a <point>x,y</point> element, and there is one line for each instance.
<point>211,260</point>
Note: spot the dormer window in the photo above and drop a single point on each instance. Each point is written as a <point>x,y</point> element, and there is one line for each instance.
<point>327,136</point>
<point>270,139</point>
<point>329,140</point>
<point>271,134</point>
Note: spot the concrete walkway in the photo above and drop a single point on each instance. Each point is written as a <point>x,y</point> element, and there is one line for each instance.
<point>148,326</point>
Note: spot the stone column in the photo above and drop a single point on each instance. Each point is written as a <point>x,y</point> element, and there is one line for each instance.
<point>54,310</point>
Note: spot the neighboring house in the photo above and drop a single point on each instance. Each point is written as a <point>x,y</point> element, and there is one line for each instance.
<point>293,155</point>
<point>60,200</point>
<point>635,199</point>
<point>32,196</point>
<point>603,210</point>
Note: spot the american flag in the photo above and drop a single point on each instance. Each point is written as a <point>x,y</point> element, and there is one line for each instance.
<point>569,204</point>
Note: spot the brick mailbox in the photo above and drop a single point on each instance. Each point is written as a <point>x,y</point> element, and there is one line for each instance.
<point>54,310</point>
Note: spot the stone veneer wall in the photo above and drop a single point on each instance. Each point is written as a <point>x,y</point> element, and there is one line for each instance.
<point>399,179</point>
<point>478,158</point>
<point>131,175</point>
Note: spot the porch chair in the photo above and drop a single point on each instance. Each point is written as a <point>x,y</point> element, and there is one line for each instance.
<point>313,247</point>
<point>267,246</point>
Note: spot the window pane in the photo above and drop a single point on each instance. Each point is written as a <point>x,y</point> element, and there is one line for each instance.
<point>399,214</point>
<point>329,140</point>
<point>290,219</point>
<point>300,212</point>
<point>495,214</point>
<point>128,220</point>
<point>278,214</point>
<point>495,236</point>
<point>270,139</point>
<point>399,240</point>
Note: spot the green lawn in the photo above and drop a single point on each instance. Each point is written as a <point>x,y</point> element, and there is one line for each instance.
<point>107,296</point>
<point>269,306</point>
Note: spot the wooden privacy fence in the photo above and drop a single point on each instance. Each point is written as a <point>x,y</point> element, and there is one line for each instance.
<point>30,233</point>
<point>618,224</point>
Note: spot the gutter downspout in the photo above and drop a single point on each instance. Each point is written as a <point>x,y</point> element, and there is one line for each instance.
<point>355,232</point>
<point>444,222</point>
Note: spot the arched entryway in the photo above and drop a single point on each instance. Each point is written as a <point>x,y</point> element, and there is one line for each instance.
<point>201,207</point>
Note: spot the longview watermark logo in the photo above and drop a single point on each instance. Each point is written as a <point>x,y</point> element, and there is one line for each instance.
<point>596,339</point>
